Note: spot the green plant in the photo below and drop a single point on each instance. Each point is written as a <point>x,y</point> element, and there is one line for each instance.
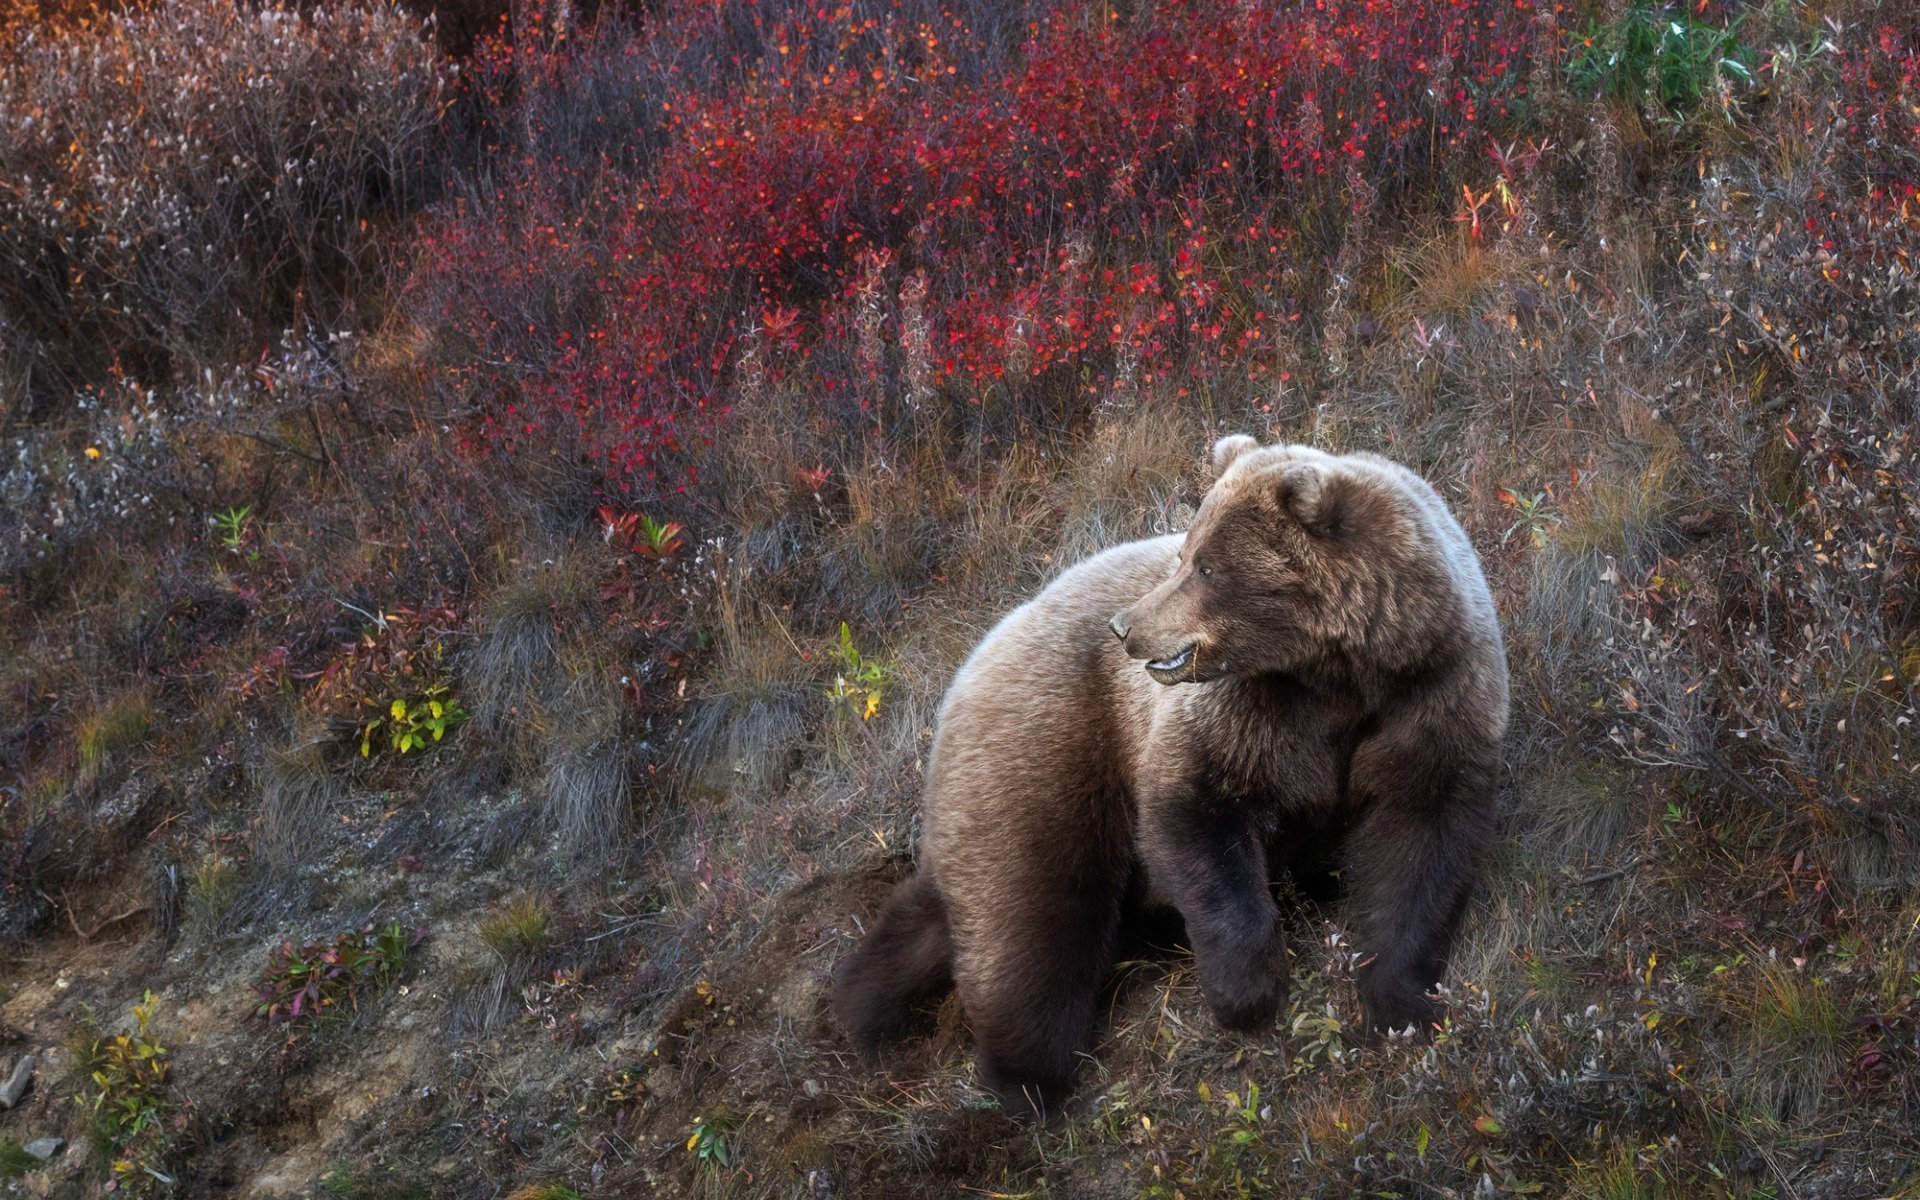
<point>1660,54</point>
<point>15,1161</point>
<point>323,980</point>
<point>1247,1116</point>
<point>233,525</point>
<point>125,1098</point>
<point>1530,514</point>
<point>392,678</point>
<point>1317,1040</point>
<point>713,1143</point>
<point>638,533</point>
<point>862,679</point>
<point>410,724</point>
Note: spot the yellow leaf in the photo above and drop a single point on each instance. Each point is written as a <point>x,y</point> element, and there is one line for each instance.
<point>873,706</point>
<point>93,452</point>
<point>399,709</point>
<point>694,1140</point>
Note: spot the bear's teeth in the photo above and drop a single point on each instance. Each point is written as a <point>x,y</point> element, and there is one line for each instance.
<point>1175,663</point>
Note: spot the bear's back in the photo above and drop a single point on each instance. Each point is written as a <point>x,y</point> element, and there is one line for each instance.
<point>1048,698</point>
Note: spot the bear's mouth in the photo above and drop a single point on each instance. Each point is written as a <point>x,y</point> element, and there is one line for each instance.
<point>1175,668</point>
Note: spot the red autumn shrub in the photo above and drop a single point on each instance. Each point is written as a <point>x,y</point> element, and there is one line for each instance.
<point>1098,207</point>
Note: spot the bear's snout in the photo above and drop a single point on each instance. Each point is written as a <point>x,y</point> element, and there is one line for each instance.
<point>1120,625</point>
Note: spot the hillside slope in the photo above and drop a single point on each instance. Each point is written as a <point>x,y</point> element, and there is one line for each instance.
<point>469,640</point>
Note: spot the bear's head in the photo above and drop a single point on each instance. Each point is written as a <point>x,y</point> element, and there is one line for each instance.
<point>1295,559</point>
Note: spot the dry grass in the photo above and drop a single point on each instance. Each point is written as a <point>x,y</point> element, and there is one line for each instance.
<point>114,729</point>
<point>512,669</point>
<point>1796,1035</point>
<point>298,787</point>
<point>518,928</point>
<point>588,790</point>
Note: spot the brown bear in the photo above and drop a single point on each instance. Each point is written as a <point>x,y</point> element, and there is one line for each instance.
<point>1170,723</point>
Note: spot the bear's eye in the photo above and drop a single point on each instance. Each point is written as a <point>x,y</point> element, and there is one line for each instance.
<point>1205,570</point>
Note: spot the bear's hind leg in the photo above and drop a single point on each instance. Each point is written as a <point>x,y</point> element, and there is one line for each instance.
<point>902,968</point>
<point>1031,994</point>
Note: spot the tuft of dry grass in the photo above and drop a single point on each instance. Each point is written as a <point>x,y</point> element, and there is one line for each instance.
<point>512,668</point>
<point>113,730</point>
<point>588,794</point>
<point>1137,475</point>
<point>1621,1175</point>
<point>1796,1036</point>
<point>212,892</point>
<point>298,789</point>
<point>518,928</point>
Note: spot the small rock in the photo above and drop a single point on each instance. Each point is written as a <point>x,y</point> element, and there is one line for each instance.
<point>44,1148</point>
<point>812,1087</point>
<point>125,815</point>
<point>16,1084</point>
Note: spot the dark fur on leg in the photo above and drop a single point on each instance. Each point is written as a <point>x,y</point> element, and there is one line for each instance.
<point>1034,1025</point>
<point>1416,860</point>
<point>1205,851</point>
<point>886,989</point>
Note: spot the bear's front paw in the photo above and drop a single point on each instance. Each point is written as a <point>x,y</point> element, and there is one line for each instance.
<point>1392,1012</point>
<point>1245,997</point>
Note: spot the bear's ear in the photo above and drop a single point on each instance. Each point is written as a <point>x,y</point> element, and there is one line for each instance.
<point>1229,448</point>
<point>1326,503</point>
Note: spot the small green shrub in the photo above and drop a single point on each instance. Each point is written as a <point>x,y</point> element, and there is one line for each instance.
<point>394,680</point>
<point>639,534</point>
<point>862,679</point>
<point>410,724</point>
<point>323,980</point>
<point>714,1143</point>
<point>234,525</point>
<point>1658,54</point>
<point>125,1098</point>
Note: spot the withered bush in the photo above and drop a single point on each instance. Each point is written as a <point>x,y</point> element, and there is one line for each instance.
<point>1790,667</point>
<point>182,179</point>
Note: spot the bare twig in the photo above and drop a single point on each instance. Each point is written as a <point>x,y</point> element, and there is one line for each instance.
<point>1615,873</point>
<point>87,935</point>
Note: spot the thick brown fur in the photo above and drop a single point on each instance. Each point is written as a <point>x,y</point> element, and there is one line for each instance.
<point>1320,651</point>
